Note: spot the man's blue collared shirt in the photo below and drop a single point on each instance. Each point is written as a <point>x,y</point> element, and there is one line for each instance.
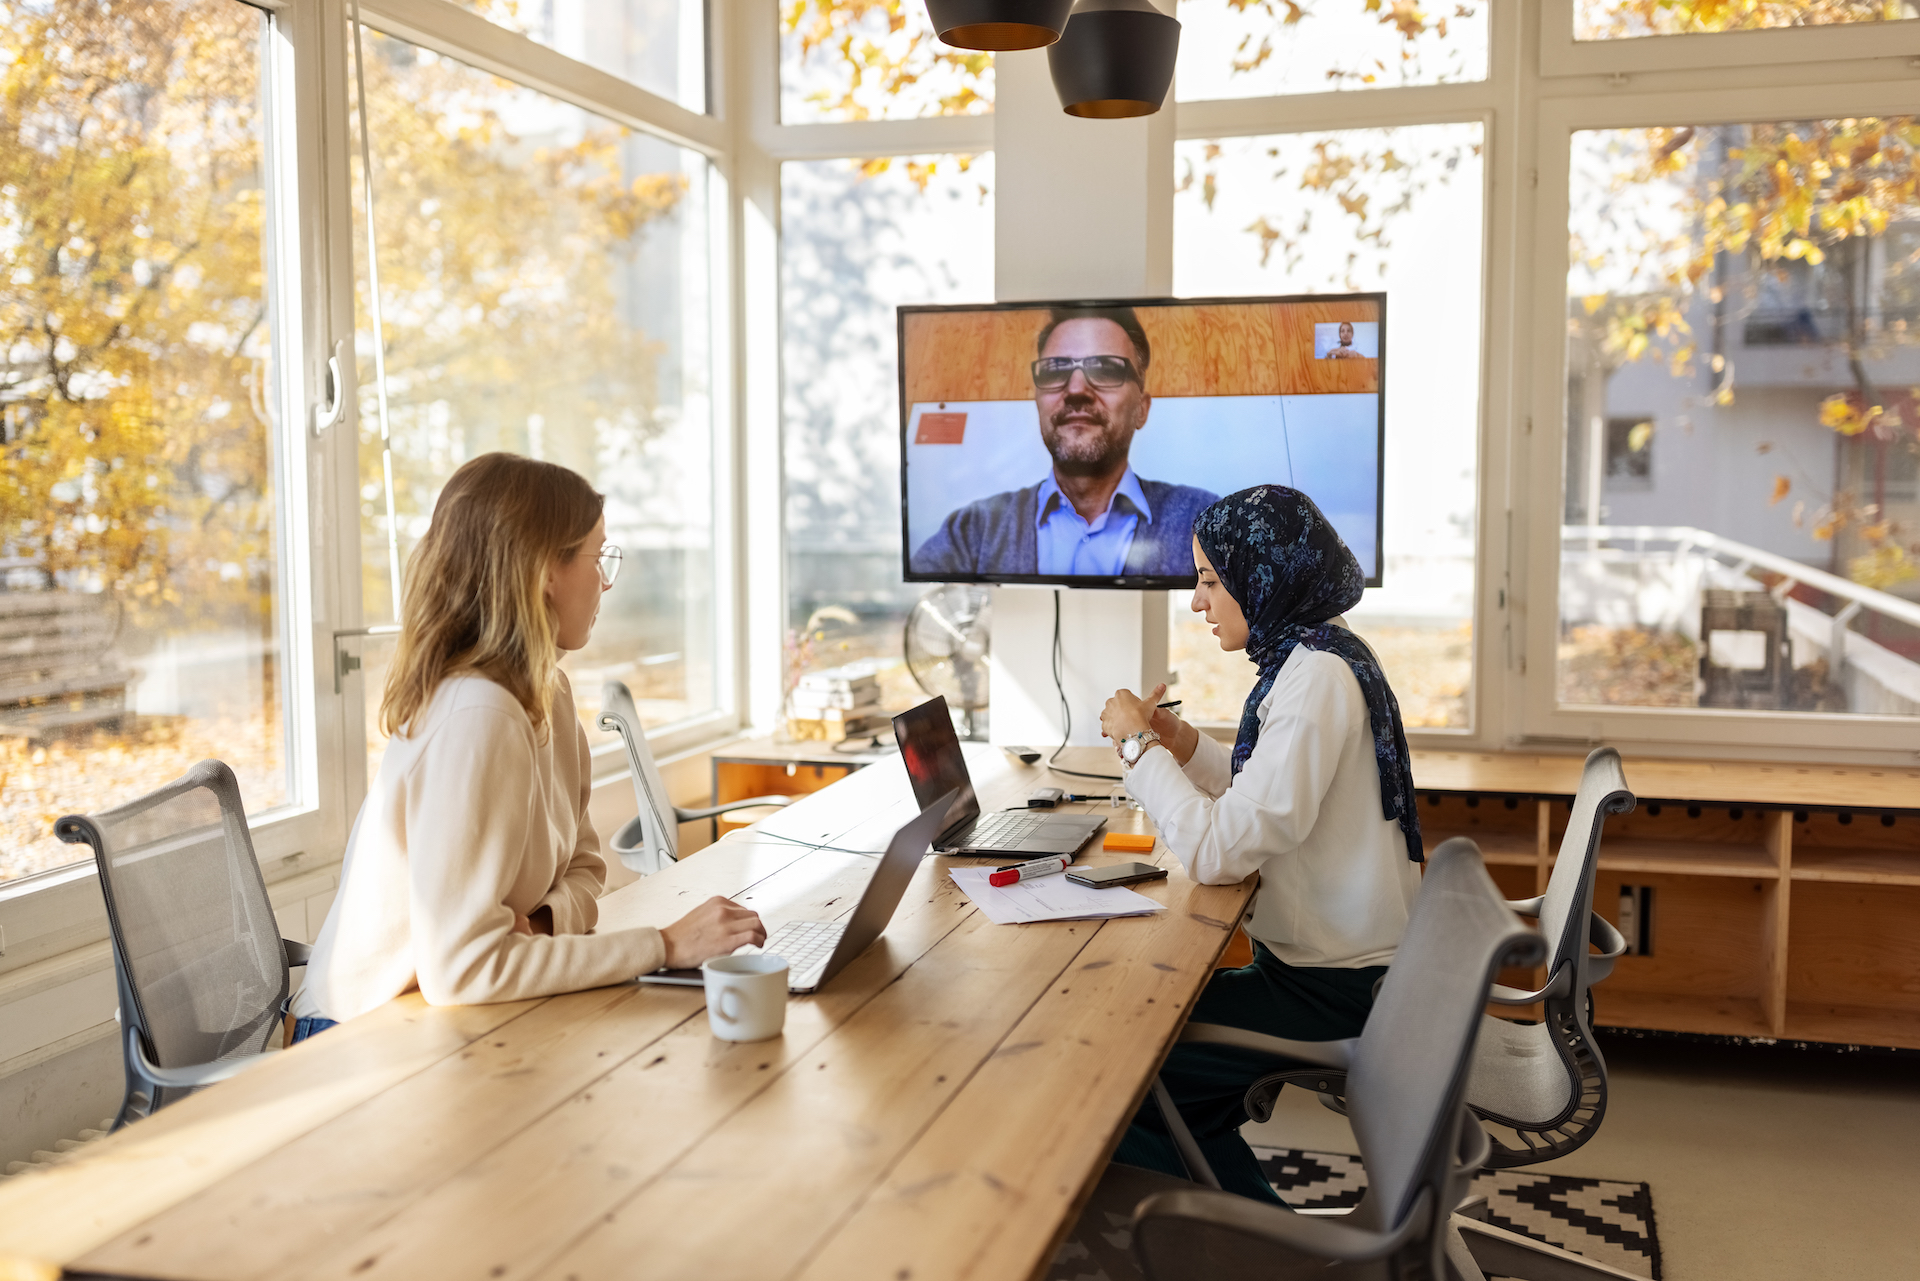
<point>1070,545</point>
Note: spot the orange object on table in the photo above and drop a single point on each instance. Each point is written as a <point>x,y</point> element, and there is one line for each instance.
<point>1239,952</point>
<point>1128,842</point>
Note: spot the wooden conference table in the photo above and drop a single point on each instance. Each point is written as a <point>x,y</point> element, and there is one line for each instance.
<point>940,1109</point>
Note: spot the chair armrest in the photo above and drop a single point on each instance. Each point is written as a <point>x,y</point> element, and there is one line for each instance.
<point>1612,944</point>
<point>1527,906</point>
<point>1314,1236</point>
<point>185,1078</point>
<point>297,953</point>
<point>1600,934</point>
<point>688,816</point>
<point>1330,1054</point>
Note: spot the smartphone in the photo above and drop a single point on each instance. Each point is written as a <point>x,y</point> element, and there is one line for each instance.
<point>676,978</point>
<point>1116,874</point>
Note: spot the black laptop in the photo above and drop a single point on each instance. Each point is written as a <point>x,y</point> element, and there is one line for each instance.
<point>934,762</point>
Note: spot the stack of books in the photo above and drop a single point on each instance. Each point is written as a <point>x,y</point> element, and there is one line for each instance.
<point>836,704</point>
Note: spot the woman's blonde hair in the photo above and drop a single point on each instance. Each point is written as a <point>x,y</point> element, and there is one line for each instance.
<point>475,596</point>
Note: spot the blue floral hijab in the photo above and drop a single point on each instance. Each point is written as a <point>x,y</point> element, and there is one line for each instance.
<point>1281,560</point>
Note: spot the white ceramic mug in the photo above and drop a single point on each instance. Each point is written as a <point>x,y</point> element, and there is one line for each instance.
<point>746,996</point>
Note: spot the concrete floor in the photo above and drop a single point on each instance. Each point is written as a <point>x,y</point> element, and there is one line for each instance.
<point>1767,1163</point>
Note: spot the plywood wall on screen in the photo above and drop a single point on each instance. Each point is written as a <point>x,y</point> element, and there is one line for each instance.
<point>1214,350</point>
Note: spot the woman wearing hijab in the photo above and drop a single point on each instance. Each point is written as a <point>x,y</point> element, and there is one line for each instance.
<point>1315,795</point>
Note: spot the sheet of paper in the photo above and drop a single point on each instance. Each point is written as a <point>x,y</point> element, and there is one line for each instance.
<point>1048,898</point>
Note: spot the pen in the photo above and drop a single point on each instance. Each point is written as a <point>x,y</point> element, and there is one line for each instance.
<point>1174,703</point>
<point>1027,871</point>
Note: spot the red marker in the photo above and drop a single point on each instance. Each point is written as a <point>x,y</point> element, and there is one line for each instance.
<point>1027,871</point>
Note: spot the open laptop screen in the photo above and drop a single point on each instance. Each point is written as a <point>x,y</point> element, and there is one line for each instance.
<point>931,751</point>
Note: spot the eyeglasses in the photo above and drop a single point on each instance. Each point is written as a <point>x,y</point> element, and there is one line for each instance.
<point>1104,372</point>
<point>609,559</point>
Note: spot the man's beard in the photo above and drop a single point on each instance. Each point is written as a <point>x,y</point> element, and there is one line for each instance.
<point>1087,454</point>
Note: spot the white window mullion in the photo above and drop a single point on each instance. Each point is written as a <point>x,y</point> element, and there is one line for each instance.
<point>451,30</point>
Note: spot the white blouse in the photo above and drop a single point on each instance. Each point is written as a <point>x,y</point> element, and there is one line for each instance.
<point>473,819</point>
<point>1336,884</point>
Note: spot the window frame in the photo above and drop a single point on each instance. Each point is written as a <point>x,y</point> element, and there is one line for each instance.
<point>1562,55</point>
<point>454,32</point>
<point>60,910</point>
<point>1853,737</point>
<point>305,78</point>
<point>1472,102</point>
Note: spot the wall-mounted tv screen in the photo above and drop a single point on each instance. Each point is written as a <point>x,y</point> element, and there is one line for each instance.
<point>1074,443</point>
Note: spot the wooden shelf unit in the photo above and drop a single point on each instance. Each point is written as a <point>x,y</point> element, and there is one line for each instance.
<point>1786,898</point>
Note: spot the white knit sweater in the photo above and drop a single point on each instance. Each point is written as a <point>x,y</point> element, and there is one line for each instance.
<point>474,819</point>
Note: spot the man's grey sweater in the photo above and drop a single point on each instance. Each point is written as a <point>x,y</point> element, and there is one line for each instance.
<point>998,535</point>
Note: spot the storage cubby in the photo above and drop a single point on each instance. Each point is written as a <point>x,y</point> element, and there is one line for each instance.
<point>1853,847</point>
<point>1708,969</point>
<point>1786,898</point>
<point>1853,968</point>
<point>1507,828</point>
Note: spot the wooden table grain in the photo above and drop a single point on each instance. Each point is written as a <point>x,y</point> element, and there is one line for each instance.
<point>939,1110</point>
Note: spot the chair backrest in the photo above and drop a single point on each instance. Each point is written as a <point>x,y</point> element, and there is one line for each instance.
<point>1409,1073</point>
<point>196,947</point>
<point>659,833</point>
<point>1565,910</point>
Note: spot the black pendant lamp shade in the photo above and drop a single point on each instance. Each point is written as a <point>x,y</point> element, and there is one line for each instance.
<point>998,25</point>
<point>1115,59</point>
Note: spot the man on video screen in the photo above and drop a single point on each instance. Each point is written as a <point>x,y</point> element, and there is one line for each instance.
<point>1090,514</point>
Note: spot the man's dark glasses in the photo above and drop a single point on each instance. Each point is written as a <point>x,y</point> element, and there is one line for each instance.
<point>1104,372</point>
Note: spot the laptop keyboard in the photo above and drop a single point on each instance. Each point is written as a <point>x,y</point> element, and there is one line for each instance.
<point>807,946</point>
<point>997,831</point>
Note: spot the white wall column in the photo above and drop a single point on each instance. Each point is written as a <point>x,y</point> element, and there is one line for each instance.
<point>1084,210</point>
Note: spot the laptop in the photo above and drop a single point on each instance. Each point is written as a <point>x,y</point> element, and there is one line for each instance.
<point>815,951</point>
<point>931,751</point>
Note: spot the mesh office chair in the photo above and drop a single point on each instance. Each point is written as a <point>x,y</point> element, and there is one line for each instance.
<point>1406,1081</point>
<point>1542,1085</point>
<point>197,955</point>
<point>1545,1082</point>
<point>648,841</point>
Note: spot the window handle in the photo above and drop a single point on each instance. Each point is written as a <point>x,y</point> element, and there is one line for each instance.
<point>326,415</point>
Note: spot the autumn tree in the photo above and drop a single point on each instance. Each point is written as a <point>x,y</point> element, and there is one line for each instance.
<point>135,384</point>
<point>505,244</point>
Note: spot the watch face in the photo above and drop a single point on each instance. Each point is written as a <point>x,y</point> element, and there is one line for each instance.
<point>1131,750</point>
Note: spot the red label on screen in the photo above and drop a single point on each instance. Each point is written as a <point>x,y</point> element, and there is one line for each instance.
<point>941,429</point>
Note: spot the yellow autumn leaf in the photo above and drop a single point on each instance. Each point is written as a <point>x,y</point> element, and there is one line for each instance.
<point>1885,566</point>
<point>1781,488</point>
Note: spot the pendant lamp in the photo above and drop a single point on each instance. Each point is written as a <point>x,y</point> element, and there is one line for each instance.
<point>1115,59</point>
<point>998,25</point>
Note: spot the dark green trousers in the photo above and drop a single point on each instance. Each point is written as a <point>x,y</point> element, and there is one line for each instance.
<point>1209,1082</point>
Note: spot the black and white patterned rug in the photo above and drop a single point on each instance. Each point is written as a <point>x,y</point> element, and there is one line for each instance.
<point>1604,1220</point>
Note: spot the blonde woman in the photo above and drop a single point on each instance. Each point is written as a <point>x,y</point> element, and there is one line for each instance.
<point>472,871</point>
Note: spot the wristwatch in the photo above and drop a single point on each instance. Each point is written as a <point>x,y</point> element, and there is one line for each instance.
<point>1133,745</point>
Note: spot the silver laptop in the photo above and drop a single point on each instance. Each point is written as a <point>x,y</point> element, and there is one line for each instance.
<point>815,951</point>
<point>931,751</point>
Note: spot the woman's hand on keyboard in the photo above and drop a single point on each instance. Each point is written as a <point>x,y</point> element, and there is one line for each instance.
<point>715,928</point>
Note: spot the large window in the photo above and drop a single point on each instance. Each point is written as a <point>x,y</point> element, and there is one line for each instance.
<point>544,281</point>
<point>859,238</point>
<point>1628,19</point>
<point>1393,209</point>
<point>1742,530</point>
<point>1258,48</point>
<point>142,621</point>
<point>660,45</point>
<point>874,60</point>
